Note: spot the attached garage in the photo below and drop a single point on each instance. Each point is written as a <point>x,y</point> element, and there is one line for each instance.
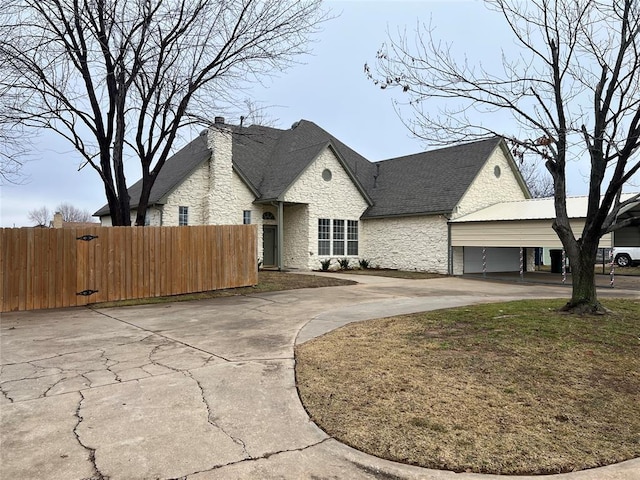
<point>501,230</point>
<point>499,259</point>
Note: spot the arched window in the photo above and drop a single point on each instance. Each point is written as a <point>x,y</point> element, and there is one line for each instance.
<point>268,216</point>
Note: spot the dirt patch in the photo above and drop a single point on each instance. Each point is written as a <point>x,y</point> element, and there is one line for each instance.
<point>509,388</point>
<point>383,272</point>
<point>267,282</point>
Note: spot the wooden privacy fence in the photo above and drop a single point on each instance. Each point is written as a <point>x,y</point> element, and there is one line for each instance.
<point>52,268</point>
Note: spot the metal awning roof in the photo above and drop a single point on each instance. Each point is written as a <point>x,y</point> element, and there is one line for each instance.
<point>531,209</point>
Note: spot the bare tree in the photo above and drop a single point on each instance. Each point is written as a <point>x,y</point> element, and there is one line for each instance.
<point>41,217</point>
<point>119,78</point>
<point>572,91</point>
<point>256,114</point>
<point>539,182</point>
<point>71,213</point>
<point>13,139</point>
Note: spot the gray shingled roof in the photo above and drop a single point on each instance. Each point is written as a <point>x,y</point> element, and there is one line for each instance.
<point>270,160</point>
<point>428,182</point>
<point>175,169</point>
<point>273,159</point>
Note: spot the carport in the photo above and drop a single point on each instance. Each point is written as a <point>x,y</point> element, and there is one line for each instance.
<point>503,237</point>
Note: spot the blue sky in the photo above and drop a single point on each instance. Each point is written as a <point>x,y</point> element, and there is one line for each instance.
<point>329,88</point>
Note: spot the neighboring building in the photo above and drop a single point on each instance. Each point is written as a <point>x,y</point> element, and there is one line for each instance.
<point>313,197</point>
<point>58,222</point>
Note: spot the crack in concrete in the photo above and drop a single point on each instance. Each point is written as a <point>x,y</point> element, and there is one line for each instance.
<point>158,362</point>
<point>44,394</point>
<point>9,382</point>
<point>84,375</point>
<point>255,459</point>
<point>98,475</point>
<point>124,344</point>
<point>163,336</point>
<point>236,440</point>
<point>5,394</point>
<point>32,363</point>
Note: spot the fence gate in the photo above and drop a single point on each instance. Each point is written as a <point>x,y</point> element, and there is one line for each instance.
<point>53,268</point>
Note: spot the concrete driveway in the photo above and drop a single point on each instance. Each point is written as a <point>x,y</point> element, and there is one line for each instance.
<point>203,390</point>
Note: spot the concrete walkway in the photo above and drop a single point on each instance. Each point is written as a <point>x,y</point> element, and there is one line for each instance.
<point>204,390</point>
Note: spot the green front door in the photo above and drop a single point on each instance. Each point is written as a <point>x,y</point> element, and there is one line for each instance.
<point>269,245</point>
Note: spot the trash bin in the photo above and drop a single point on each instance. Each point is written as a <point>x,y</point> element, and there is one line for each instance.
<point>556,261</point>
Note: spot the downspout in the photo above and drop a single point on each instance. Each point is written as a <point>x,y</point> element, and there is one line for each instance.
<point>449,247</point>
<point>280,234</point>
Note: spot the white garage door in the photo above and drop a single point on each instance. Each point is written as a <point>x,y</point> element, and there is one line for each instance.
<point>498,259</point>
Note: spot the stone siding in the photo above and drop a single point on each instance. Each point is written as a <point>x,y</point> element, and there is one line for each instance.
<point>296,236</point>
<point>457,260</point>
<point>407,243</point>
<point>337,198</point>
<point>154,217</point>
<point>487,189</point>
<point>188,194</point>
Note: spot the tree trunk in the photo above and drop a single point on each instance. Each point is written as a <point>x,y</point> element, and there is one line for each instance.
<point>148,179</point>
<point>584,298</point>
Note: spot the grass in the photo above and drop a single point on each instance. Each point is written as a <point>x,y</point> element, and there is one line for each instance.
<point>625,270</point>
<point>511,388</point>
<point>267,282</point>
<point>634,271</point>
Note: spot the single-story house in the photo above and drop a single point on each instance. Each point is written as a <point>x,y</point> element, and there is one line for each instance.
<point>313,198</point>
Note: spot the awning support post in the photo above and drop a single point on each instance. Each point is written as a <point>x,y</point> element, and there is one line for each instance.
<point>521,264</point>
<point>612,273</point>
<point>484,262</point>
<point>280,234</point>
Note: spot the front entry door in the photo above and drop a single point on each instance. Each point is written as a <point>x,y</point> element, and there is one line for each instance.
<point>269,245</point>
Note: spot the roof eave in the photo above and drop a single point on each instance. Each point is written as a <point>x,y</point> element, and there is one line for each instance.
<point>516,171</point>
<point>329,144</point>
<point>246,181</point>
<point>365,216</point>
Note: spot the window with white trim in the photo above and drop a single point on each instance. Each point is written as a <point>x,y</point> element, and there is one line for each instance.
<point>324,236</point>
<point>333,239</point>
<point>183,216</point>
<point>246,217</point>
<point>352,237</point>
<point>338,237</point>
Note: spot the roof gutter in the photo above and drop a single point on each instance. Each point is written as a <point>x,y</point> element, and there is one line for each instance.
<point>401,215</point>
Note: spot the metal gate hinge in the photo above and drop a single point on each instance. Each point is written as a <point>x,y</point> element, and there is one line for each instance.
<point>87,238</point>
<point>86,293</point>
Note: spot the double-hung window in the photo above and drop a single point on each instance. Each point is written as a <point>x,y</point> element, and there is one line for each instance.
<point>337,237</point>
<point>183,216</point>
<point>352,237</point>
<point>324,236</point>
<point>246,217</point>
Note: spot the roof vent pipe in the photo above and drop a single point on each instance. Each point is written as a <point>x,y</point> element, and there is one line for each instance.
<point>218,120</point>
